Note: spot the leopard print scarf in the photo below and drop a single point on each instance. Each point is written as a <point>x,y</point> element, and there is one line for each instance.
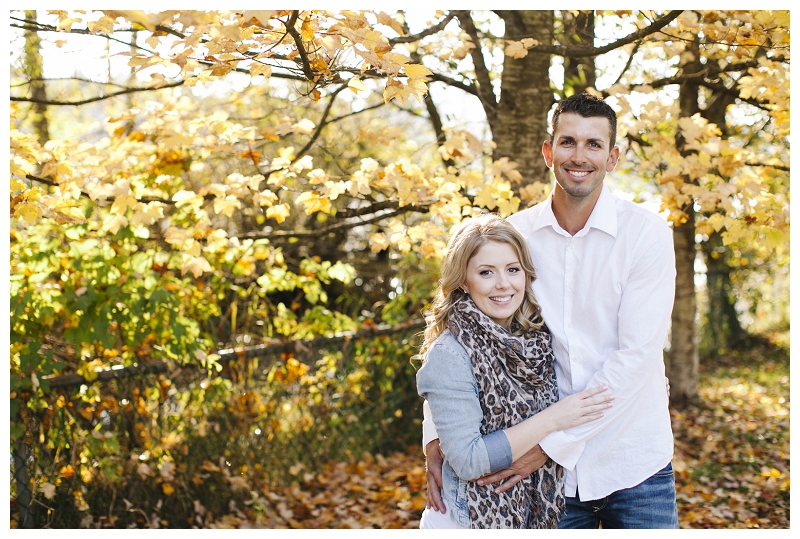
<point>516,379</point>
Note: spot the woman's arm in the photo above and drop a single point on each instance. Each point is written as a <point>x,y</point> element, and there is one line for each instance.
<point>446,381</point>
<point>577,409</point>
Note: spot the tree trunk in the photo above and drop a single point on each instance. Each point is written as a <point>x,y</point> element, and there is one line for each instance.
<point>579,73</point>
<point>683,364</point>
<point>525,97</point>
<point>21,451</point>
<point>723,330</point>
<point>35,72</point>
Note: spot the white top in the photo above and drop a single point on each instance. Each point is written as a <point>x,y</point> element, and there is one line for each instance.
<point>606,296</point>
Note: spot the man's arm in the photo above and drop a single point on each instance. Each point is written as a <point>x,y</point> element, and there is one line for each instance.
<point>643,322</point>
<point>522,467</point>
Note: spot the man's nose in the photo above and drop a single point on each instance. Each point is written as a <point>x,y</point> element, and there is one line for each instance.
<point>579,155</point>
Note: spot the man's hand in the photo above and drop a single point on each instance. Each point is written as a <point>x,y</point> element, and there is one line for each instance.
<point>433,468</point>
<point>519,470</point>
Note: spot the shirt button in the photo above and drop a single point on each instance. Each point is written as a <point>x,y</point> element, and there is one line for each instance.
<point>569,326</point>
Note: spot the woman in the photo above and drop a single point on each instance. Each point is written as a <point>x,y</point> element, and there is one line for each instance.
<point>489,379</point>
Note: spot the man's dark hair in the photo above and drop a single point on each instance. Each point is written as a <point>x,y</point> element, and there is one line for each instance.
<point>587,106</point>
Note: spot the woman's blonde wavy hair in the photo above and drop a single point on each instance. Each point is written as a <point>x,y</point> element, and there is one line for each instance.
<point>464,242</point>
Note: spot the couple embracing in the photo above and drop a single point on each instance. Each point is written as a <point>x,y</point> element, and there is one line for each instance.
<point>570,298</point>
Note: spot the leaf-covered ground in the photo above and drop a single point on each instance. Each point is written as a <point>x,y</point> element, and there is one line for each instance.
<point>731,463</point>
<point>732,449</point>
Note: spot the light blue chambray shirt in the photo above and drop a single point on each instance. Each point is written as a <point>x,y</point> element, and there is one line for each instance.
<point>448,385</point>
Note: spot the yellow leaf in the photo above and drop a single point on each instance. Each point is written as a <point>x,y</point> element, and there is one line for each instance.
<point>257,68</point>
<point>167,489</point>
<point>29,212</point>
<point>515,49</point>
<point>113,223</point>
<point>356,85</point>
<point>262,16</point>
<point>416,70</point>
<point>304,126</point>
<point>21,167</point>
<point>383,18</point>
<point>104,24</point>
<point>226,205</point>
<point>122,203</point>
<point>774,238</point>
<point>147,214</point>
<point>486,197</point>
<point>195,264</point>
<point>378,242</point>
<point>313,202</point>
<point>279,213</point>
<point>717,221</point>
<point>182,198</point>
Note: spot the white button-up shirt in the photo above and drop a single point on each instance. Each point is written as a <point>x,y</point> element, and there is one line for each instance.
<point>606,295</point>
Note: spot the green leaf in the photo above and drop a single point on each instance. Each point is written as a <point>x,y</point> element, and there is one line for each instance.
<point>342,272</point>
<point>17,431</point>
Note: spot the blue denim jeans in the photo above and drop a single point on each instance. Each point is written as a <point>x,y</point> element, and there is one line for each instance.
<point>650,504</point>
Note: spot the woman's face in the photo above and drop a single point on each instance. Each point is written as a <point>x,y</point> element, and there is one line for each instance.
<point>496,281</point>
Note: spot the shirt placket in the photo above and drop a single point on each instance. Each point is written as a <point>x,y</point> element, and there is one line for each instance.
<point>570,268</point>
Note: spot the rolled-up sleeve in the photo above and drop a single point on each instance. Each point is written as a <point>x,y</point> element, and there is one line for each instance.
<point>446,381</point>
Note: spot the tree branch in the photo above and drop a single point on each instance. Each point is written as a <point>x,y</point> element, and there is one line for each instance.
<point>783,168</point>
<point>273,347</point>
<point>484,88</point>
<point>96,98</point>
<point>425,33</point>
<point>469,88</point>
<point>309,73</point>
<point>579,52</point>
<point>334,228</point>
<point>321,124</point>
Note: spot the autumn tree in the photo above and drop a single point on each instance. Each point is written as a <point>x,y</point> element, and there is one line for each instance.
<point>274,177</point>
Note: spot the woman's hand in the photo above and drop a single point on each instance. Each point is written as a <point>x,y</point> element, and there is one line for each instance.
<point>580,408</point>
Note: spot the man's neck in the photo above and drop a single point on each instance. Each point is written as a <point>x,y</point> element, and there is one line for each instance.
<point>572,213</point>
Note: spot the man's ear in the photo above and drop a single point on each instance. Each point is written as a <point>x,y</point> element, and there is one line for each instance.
<point>613,157</point>
<point>547,152</point>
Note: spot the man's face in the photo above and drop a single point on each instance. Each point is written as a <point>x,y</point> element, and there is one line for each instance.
<point>580,154</point>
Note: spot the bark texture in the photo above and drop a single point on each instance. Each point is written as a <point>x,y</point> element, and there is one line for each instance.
<point>520,125</point>
<point>684,361</point>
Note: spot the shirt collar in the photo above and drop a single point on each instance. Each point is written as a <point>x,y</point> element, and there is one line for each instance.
<point>603,217</point>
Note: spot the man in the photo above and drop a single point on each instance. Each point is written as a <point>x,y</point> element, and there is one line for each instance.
<point>606,284</point>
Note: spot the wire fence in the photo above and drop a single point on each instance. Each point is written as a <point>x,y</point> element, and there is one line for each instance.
<point>110,419</point>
